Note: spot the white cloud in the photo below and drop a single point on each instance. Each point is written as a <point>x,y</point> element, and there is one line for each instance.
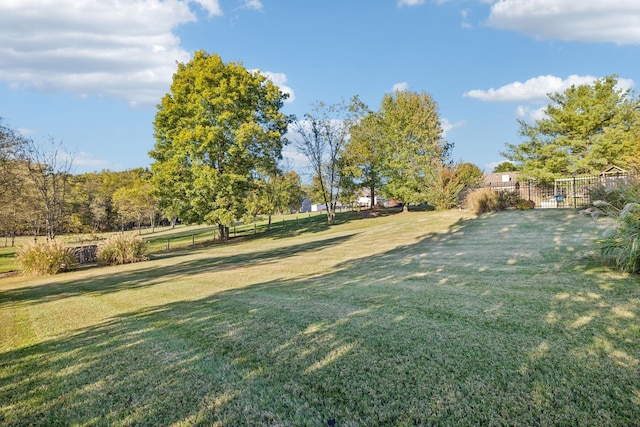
<point>27,131</point>
<point>124,49</point>
<point>536,89</point>
<point>530,114</point>
<point>465,14</point>
<point>280,80</point>
<point>89,162</point>
<point>253,4</point>
<point>615,21</point>
<point>410,2</point>
<point>447,125</point>
<point>400,87</point>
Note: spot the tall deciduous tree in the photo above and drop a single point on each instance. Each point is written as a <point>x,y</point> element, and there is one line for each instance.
<point>323,134</point>
<point>586,128</point>
<point>365,153</point>
<point>49,168</point>
<point>415,146</point>
<point>219,123</point>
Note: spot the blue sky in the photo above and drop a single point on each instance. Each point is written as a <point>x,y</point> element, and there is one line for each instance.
<point>90,72</point>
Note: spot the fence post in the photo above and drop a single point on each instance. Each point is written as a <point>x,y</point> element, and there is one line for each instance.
<point>254,229</point>
<point>168,240</point>
<point>575,200</point>
<point>193,240</point>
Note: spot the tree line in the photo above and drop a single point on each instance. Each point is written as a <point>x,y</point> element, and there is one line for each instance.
<point>220,133</point>
<point>40,196</point>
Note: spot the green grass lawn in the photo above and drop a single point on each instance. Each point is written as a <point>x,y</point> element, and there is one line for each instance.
<point>410,319</point>
<point>166,238</point>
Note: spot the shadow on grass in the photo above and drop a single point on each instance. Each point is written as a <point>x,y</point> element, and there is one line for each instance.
<point>148,276</point>
<point>312,224</point>
<point>379,340</point>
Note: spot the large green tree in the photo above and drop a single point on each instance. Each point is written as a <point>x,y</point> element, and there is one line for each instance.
<point>219,123</point>
<point>415,149</point>
<point>585,129</point>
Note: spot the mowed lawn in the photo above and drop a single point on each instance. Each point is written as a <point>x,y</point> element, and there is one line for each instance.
<point>423,318</point>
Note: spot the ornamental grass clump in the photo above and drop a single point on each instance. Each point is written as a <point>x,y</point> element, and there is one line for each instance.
<point>482,200</point>
<point>620,243</point>
<point>122,249</point>
<point>43,258</point>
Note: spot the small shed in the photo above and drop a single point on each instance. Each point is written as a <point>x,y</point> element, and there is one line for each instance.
<point>613,171</point>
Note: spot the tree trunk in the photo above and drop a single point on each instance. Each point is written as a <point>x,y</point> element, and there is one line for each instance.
<point>269,224</point>
<point>223,230</point>
<point>373,197</point>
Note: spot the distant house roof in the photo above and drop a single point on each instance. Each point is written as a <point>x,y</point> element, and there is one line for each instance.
<point>500,177</point>
<point>614,170</point>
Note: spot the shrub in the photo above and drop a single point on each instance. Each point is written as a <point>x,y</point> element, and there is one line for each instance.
<point>45,257</point>
<point>613,196</point>
<point>485,200</point>
<point>482,200</point>
<point>621,243</point>
<point>122,249</point>
<point>525,205</point>
<point>443,192</point>
<point>508,200</point>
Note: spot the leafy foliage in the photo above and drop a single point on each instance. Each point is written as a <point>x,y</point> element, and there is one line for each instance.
<point>586,128</point>
<point>443,192</point>
<point>363,156</point>
<point>505,167</point>
<point>415,148</point>
<point>219,124</point>
<point>323,135</point>
<point>620,243</point>
<point>274,193</point>
<point>468,174</point>
<point>45,257</point>
<point>122,249</point>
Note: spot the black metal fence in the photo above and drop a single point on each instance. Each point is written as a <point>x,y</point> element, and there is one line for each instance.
<point>574,192</point>
<point>85,254</point>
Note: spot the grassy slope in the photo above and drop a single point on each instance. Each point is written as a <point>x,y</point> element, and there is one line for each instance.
<point>180,237</point>
<point>423,318</point>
